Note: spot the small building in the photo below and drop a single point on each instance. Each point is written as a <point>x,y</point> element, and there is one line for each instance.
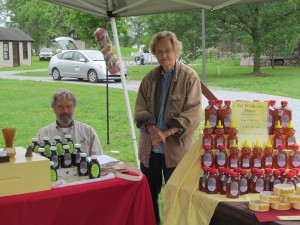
<point>15,47</point>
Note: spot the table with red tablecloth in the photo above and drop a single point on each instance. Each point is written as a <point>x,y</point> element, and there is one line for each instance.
<point>109,202</point>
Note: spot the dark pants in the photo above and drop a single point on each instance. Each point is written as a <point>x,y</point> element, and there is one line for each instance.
<point>157,168</point>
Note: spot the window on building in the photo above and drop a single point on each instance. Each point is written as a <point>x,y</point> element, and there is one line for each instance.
<point>25,50</point>
<point>5,51</point>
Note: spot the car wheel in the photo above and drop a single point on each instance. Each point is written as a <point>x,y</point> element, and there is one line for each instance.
<point>56,74</point>
<point>92,76</point>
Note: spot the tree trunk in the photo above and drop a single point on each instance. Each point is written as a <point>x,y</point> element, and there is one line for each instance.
<point>256,66</point>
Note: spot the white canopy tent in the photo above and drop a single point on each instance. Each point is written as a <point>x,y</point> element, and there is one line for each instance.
<point>123,8</point>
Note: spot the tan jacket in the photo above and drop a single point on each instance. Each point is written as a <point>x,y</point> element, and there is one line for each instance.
<point>182,110</point>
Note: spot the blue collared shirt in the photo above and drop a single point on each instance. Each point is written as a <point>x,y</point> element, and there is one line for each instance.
<point>166,81</point>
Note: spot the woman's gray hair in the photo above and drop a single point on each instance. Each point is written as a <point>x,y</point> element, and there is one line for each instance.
<point>63,94</point>
<point>166,35</point>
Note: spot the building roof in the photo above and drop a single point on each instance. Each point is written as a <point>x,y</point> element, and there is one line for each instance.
<point>13,34</point>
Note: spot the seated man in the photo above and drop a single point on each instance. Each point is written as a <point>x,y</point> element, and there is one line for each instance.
<point>64,104</point>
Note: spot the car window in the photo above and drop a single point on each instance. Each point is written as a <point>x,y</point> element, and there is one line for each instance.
<point>78,56</point>
<point>95,55</point>
<point>67,56</point>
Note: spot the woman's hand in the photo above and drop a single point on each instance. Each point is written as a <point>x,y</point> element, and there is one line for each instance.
<point>156,134</point>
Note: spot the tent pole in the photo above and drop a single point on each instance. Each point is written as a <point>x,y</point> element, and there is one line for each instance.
<point>125,91</point>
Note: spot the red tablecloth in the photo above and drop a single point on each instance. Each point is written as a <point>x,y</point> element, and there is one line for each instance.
<point>110,202</point>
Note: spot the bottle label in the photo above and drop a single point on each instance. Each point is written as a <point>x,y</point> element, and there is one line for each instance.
<point>259,185</point>
<point>207,158</point>
<point>207,141</point>
<point>234,188</point>
<point>71,145</point>
<point>291,140</point>
<point>243,185</point>
<point>281,160</point>
<point>59,148</point>
<point>285,119</point>
<point>53,175</point>
<point>233,163</point>
<point>211,184</point>
<point>54,158</point>
<point>83,167</point>
<point>221,159</point>
<point>276,182</point>
<point>257,163</point>
<point>279,141</point>
<point>212,120</point>
<point>95,170</point>
<point>246,162</point>
<point>67,159</point>
<point>36,149</point>
<point>220,141</point>
<point>296,160</point>
<point>47,150</point>
<point>270,120</point>
<point>227,120</point>
<point>78,157</point>
<point>75,151</point>
<point>269,160</point>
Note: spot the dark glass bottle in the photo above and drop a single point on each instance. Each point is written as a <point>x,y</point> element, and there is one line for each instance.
<point>94,168</point>
<point>280,158</point>
<point>271,116</point>
<point>47,146</point>
<point>35,145</point>
<point>278,135</point>
<point>58,145</point>
<point>53,172</point>
<point>226,116</point>
<point>203,178</point>
<point>66,157</point>
<point>54,157</point>
<point>219,138</point>
<point>76,154</point>
<point>83,166</point>
<point>232,135</point>
<point>70,142</point>
<point>294,159</point>
<point>224,180</point>
<point>42,152</point>
<point>284,115</point>
<point>290,138</point>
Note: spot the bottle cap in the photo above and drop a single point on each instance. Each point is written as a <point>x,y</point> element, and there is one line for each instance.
<point>57,137</point>
<point>93,157</point>
<point>52,148</point>
<point>295,147</point>
<point>211,102</point>
<point>257,144</point>
<point>68,136</point>
<point>77,145</point>
<point>276,172</point>
<point>278,125</point>
<point>220,146</point>
<point>34,139</point>
<point>234,145</point>
<point>227,102</point>
<point>259,172</point>
<point>207,125</point>
<point>290,125</point>
<point>272,101</point>
<point>66,147</point>
<point>83,154</point>
<point>213,170</point>
<point>284,102</point>
<point>41,149</point>
<point>232,124</point>
<point>45,138</point>
<point>51,163</point>
<point>280,147</point>
<point>234,174</point>
<point>268,170</point>
<point>243,172</point>
<point>282,170</point>
<point>219,101</point>
<point>219,124</point>
<point>268,145</point>
<point>246,144</point>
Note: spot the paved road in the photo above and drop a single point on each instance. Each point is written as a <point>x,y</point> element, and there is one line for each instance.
<point>219,93</point>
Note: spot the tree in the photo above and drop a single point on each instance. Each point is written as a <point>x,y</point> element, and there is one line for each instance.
<point>259,23</point>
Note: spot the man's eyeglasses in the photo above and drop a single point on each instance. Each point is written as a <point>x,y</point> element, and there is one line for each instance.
<point>167,52</point>
<point>62,107</point>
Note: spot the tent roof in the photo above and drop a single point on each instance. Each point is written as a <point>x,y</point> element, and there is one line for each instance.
<point>123,8</point>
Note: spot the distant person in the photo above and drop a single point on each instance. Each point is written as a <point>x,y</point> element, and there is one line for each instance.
<point>64,105</point>
<point>167,111</point>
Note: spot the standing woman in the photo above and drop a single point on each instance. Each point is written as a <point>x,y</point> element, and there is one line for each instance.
<point>167,112</point>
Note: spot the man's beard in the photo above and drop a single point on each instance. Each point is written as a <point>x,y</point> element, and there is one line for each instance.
<point>65,118</point>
